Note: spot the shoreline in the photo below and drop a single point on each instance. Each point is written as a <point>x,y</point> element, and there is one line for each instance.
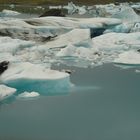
<point>61,2</point>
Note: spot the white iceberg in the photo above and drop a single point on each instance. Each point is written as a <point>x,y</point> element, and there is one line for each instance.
<point>8,44</point>
<point>34,77</point>
<point>76,37</point>
<point>80,52</point>
<point>71,8</point>
<point>82,10</point>
<point>28,94</point>
<point>6,91</point>
<point>117,41</point>
<point>9,13</point>
<point>30,30</point>
<point>74,22</point>
<point>42,29</point>
<point>130,58</point>
<point>127,14</point>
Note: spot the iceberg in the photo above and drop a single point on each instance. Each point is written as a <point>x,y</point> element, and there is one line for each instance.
<point>76,37</point>
<point>30,77</point>
<point>117,41</point>
<point>26,30</point>
<point>71,7</point>
<point>45,28</point>
<point>28,94</point>
<point>129,58</point>
<point>74,22</point>
<point>126,13</point>
<point>80,52</point>
<point>6,91</point>
<point>7,44</point>
<point>8,13</point>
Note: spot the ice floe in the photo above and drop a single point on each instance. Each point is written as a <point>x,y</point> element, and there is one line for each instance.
<point>129,58</point>
<point>80,52</point>
<point>117,41</point>
<point>8,44</point>
<point>74,22</point>
<point>6,91</point>
<point>76,37</point>
<point>32,77</point>
<point>45,28</point>
<point>8,13</point>
<point>28,94</point>
<point>126,13</point>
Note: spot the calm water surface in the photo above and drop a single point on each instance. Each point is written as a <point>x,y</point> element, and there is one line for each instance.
<point>103,105</point>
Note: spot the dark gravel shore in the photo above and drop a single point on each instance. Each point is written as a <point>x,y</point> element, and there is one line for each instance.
<point>57,2</point>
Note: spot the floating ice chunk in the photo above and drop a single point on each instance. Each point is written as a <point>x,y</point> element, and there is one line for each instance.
<point>75,22</point>
<point>6,91</point>
<point>41,29</point>
<point>82,10</point>
<point>81,52</point>
<point>33,77</point>
<point>28,94</point>
<point>30,30</point>
<point>8,44</point>
<point>122,28</point>
<point>137,71</point>
<point>117,41</point>
<point>75,36</point>
<point>126,13</point>
<point>9,13</point>
<point>109,8</point>
<point>136,5</point>
<point>68,51</point>
<point>129,57</point>
<point>71,8</point>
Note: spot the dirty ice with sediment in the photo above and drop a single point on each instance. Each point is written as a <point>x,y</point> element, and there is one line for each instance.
<point>99,34</point>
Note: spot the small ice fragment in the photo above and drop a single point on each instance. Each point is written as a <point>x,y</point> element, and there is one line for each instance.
<point>6,91</point>
<point>28,94</point>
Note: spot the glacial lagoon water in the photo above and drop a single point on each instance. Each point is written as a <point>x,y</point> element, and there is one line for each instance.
<point>102,105</point>
<point>103,102</point>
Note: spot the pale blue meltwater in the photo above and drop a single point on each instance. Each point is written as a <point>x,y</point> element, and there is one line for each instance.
<point>103,104</point>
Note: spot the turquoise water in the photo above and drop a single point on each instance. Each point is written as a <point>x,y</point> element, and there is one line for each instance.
<point>104,104</point>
